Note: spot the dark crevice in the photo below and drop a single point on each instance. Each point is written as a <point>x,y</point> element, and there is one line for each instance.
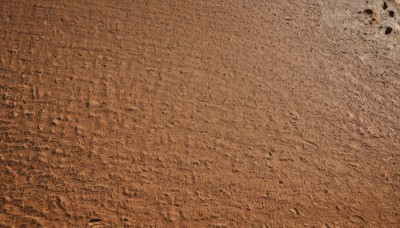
<point>94,220</point>
<point>369,11</point>
<point>388,30</point>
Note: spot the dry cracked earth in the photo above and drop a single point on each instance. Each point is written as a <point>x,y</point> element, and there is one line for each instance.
<point>186,113</point>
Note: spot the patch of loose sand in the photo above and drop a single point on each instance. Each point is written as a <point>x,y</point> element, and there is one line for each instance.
<point>199,113</point>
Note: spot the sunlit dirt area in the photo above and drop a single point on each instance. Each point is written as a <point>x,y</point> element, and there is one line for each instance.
<point>189,113</point>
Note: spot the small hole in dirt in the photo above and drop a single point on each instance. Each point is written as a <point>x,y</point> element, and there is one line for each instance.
<point>95,220</point>
<point>391,13</point>
<point>388,30</point>
<point>369,11</point>
<point>385,6</point>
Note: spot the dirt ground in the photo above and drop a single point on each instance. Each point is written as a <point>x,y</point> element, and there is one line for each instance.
<point>186,113</point>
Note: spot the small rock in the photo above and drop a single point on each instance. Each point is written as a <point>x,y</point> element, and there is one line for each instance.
<point>57,151</point>
<point>132,108</point>
<point>295,211</point>
<point>55,122</point>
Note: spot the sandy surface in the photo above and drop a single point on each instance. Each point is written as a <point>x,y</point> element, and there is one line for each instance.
<point>199,113</point>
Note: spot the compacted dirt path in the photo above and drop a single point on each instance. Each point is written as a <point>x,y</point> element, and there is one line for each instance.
<point>187,113</point>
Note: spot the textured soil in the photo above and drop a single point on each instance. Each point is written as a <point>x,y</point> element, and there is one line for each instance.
<point>187,113</point>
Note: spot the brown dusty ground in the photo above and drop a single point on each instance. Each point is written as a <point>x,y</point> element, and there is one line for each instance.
<point>194,113</point>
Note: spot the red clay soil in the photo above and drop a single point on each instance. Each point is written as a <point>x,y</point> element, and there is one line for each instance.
<point>187,113</point>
